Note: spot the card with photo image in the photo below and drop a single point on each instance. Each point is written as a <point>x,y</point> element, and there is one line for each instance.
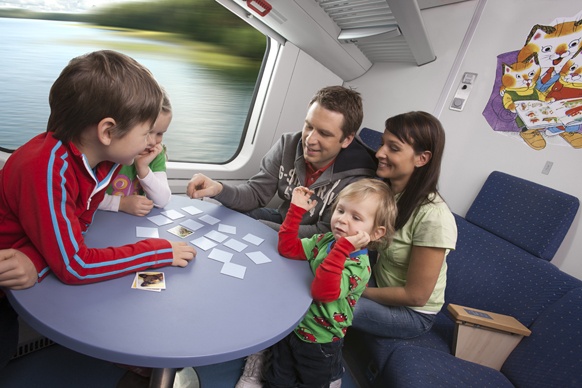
<point>181,231</point>
<point>151,281</point>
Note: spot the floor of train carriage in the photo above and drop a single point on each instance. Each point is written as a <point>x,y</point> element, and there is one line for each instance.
<point>57,366</point>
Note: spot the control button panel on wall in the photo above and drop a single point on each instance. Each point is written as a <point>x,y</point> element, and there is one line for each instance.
<point>463,91</point>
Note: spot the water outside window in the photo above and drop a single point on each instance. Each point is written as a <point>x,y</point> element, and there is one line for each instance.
<point>210,85</point>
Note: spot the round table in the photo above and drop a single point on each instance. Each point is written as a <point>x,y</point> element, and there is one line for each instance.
<point>202,317</point>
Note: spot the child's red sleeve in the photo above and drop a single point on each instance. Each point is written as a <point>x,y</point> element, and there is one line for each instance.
<point>290,244</point>
<point>326,287</point>
<point>56,219</point>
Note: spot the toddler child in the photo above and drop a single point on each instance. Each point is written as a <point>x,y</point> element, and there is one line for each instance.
<point>363,215</point>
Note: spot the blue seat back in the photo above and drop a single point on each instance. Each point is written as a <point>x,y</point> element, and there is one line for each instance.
<point>489,273</point>
<point>371,138</point>
<point>533,217</point>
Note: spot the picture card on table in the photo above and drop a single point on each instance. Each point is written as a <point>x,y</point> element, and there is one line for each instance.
<point>258,257</point>
<point>143,231</point>
<point>192,210</point>
<point>236,245</point>
<point>151,281</point>
<point>216,236</point>
<point>219,255</point>
<point>191,224</point>
<point>234,270</point>
<point>181,231</point>
<point>253,239</point>
<point>134,285</point>
<point>173,214</point>
<point>227,228</point>
<point>160,220</point>
<point>209,219</point>
<point>204,243</point>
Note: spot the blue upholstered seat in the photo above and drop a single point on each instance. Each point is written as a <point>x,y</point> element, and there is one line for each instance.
<point>402,370</point>
<point>552,355</point>
<point>490,273</point>
<point>501,264</point>
<point>371,138</point>
<point>512,209</point>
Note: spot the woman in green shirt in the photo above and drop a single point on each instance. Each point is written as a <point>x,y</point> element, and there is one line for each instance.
<point>410,275</point>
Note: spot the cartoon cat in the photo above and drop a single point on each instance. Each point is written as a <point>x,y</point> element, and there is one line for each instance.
<point>519,81</point>
<point>554,45</point>
<point>569,85</point>
<point>519,84</point>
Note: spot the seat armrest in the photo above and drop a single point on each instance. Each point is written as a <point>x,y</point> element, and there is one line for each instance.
<point>487,319</point>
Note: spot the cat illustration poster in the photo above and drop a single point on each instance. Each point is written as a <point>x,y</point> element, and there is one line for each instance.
<point>537,93</point>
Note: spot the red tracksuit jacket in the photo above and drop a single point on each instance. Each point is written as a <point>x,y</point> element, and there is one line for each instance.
<point>48,196</point>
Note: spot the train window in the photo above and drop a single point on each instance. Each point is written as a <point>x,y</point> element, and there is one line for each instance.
<point>207,58</point>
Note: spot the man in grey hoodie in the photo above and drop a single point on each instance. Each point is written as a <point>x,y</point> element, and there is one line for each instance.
<point>325,157</point>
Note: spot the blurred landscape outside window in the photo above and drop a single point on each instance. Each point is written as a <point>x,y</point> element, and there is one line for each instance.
<point>206,58</point>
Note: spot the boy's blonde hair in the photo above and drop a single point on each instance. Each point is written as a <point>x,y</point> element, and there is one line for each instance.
<point>386,212</point>
<point>98,85</point>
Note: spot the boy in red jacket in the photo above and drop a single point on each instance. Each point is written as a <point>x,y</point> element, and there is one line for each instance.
<point>103,107</point>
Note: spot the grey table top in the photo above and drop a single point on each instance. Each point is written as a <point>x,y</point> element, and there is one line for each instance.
<point>202,317</point>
